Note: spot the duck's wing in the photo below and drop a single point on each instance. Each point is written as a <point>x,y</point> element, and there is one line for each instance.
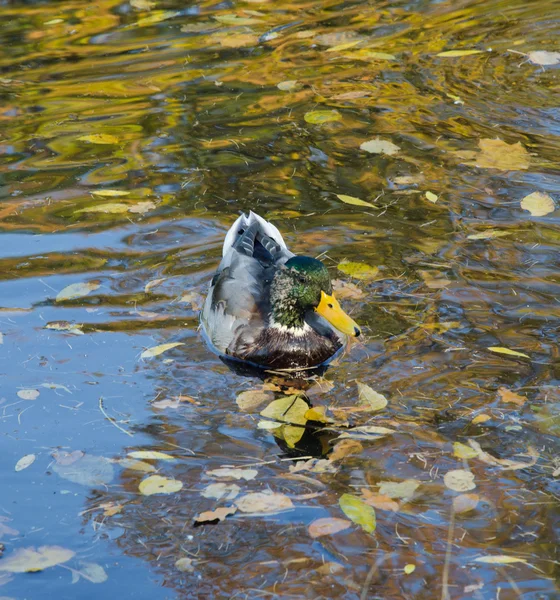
<point>237,305</point>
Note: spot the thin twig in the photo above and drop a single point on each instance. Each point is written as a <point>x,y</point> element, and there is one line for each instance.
<point>110,419</point>
<point>445,577</point>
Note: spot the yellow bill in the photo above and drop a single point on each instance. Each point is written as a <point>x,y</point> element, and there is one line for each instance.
<point>329,309</point>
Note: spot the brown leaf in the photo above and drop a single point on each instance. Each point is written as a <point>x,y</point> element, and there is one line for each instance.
<point>509,396</point>
<point>465,502</point>
<point>381,501</point>
<point>263,502</point>
<point>327,526</point>
<point>211,516</point>
<point>345,448</point>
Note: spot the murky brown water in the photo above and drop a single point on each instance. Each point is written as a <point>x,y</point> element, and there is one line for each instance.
<point>189,121</point>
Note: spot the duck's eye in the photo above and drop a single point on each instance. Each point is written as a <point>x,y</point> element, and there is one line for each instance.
<point>330,305</point>
<point>301,278</point>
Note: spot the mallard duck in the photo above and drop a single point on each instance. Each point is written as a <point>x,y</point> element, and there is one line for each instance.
<point>269,307</point>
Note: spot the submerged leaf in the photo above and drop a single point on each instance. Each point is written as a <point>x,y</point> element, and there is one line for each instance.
<point>358,511</point>
<point>263,502</point>
<point>327,526</point>
<point>318,117</point>
<point>454,53</point>
<point>358,270</point>
<point>463,451</point>
<point>87,470</point>
<point>465,503</point>
<point>150,455</point>
<point>344,448</point>
<point>354,201</point>
<point>497,154</point>
<point>371,398</point>
<point>221,491</point>
<point>252,399</point>
<point>399,489</point>
<point>459,480</point>
<point>156,484</point>
<point>288,86</point>
<point>114,208</point>
<point>93,572</point>
<point>538,204</point>
<point>99,138</point>
<point>157,350</point>
<point>488,234</point>
<point>381,501</point>
<point>431,197</point>
<point>30,560</point>
<point>77,290</point>
<point>509,396</point>
<point>109,193</point>
<point>500,559</point>
<point>544,57</point>
<point>379,146</point>
<point>230,473</point>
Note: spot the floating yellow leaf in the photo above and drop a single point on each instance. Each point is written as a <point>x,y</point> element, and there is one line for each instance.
<point>538,204</point>
<point>77,290</point>
<point>431,197</point>
<point>376,55</point>
<point>358,511</point>
<point>459,480</point>
<point>408,569</point>
<point>358,270</point>
<point>500,559</point>
<point>507,351</point>
<point>112,208</point>
<point>380,501</point>
<point>157,350</point>
<point>263,502</point>
<point>99,138</point>
<point>150,455</point>
<point>453,53</point>
<point>327,526</point>
<point>142,4</point>
<point>291,434</point>
<point>463,451</point>
<point>318,117</point>
<point>497,154</point>
<point>353,200</point>
<point>157,17</point>
<point>379,146</point>
<point>156,484</point>
<point>482,418</point>
<point>319,414</point>
<point>290,409</point>
<point>109,193</point>
<point>136,465</point>
<point>30,560</point>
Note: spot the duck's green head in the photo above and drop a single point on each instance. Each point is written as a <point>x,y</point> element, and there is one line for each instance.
<point>301,285</point>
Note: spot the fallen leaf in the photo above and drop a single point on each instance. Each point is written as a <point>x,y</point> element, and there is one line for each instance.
<point>30,560</point>
<point>353,200</point>
<point>507,351</point>
<point>431,197</point>
<point>463,451</point>
<point>99,138</point>
<point>221,491</point>
<point>497,154</point>
<point>358,270</point>
<point>219,514</point>
<point>236,20</point>
<point>330,568</point>
<point>344,448</point>
<point>77,290</point>
<point>346,289</point>
<point>141,208</point>
<point>263,502</point>
<point>28,394</point>
<point>157,17</point>
<point>288,86</point>
<point>365,53</point>
<point>318,413</point>
<point>544,57</point>
<point>538,204</point>
<point>465,503</point>
<point>67,458</point>
<point>87,470</point>
<point>454,53</point>
<point>65,326</point>
<point>156,484</point>
<point>509,396</point>
<point>327,526</point>
<point>157,350</point>
<point>136,465</point>
<point>185,565</point>
<point>241,40</point>
<point>367,432</point>
<point>488,234</point>
<point>314,465</point>
<point>379,146</point>
<point>109,193</point>
<point>150,455</point>
<point>482,418</point>
<point>358,512</point>
<point>318,117</point>
<point>195,299</point>
<point>112,208</point>
<point>505,463</point>
<point>399,489</point>
<point>231,473</point>
<point>370,397</point>
<point>380,501</point>
<point>25,461</point>
<point>142,4</point>
<point>500,559</point>
<point>408,569</point>
<point>290,409</point>
<point>252,399</point>
<point>93,572</point>
<point>459,480</point>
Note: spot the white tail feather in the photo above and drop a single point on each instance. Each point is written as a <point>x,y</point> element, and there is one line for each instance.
<point>243,222</point>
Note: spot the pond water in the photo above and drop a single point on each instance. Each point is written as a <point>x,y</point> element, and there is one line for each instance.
<point>132,135</point>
